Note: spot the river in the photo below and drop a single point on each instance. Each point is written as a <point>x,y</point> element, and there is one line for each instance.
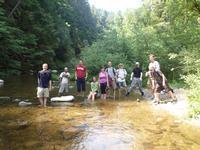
<point>121,124</point>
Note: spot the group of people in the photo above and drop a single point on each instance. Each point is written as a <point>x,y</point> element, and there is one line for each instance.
<point>109,79</point>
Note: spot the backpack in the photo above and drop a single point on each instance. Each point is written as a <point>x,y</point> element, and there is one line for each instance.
<point>112,70</point>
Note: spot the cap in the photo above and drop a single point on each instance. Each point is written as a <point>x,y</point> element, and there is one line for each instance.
<point>120,64</point>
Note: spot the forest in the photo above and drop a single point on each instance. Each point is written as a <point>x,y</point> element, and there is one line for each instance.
<point>59,32</point>
<point>37,31</point>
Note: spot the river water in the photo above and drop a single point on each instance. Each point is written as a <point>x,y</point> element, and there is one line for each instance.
<point>121,124</point>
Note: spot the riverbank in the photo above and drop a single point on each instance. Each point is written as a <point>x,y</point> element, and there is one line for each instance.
<point>179,109</point>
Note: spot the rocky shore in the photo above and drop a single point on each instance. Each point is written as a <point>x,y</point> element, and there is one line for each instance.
<point>179,109</point>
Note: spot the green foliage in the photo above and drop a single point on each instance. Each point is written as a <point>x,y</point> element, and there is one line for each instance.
<point>191,75</point>
<point>41,31</point>
<point>108,48</point>
<point>161,28</point>
<point>168,29</point>
<point>193,80</point>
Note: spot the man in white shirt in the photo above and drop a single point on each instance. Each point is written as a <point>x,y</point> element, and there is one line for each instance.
<point>64,81</point>
<point>111,78</point>
<point>121,76</point>
<point>153,63</point>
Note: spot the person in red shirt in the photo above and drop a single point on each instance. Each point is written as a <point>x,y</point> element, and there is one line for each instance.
<point>80,76</point>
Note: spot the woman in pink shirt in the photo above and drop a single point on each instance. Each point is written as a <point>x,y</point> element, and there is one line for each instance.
<point>103,82</point>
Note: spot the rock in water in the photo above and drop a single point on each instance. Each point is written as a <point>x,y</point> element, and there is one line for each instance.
<point>22,124</point>
<point>4,98</point>
<point>83,126</point>
<point>16,100</point>
<point>23,103</point>
<point>1,81</point>
<point>70,133</point>
<point>71,87</point>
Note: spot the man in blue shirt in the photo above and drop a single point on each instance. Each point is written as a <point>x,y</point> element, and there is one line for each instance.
<point>44,85</point>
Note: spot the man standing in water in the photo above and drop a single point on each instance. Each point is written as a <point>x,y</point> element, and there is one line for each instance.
<point>64,81</point>
<point>136,79</point>
<point>44,85</point>
<point>155,64</point>
<point>80,76</point>
<point>111,78</point>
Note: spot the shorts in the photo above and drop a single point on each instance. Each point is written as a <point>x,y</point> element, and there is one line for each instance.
<point>80,83</point>
<point>42,92</point>
<point>64,86</point>
<point>93,92</point>
<point>103,88</point>
<point>160,87</point>
<point>121,84</point>
<point>112,83</point>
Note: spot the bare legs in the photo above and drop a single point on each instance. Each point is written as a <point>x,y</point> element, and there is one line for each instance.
<point>43,101</point>
<point>171,94</point>
<point>157,97</point>
<point>91,96</point>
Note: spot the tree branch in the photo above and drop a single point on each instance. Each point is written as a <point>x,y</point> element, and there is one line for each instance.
<point>18,3</point>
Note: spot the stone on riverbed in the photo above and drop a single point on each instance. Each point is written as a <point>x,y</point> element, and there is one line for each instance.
<point>16,100</point>
<point>1,83</point>
<point>71,87</point>
<point>22,124</point>
<point>72,132</point>
<point>18,124</point>
<point>23,103</point>
<point>4,98</point>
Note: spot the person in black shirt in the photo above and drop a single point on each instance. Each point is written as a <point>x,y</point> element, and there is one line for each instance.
<point>44,85</point>
<point>136,78</point>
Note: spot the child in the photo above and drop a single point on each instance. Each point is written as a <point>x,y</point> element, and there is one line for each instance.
<point>94,89</point>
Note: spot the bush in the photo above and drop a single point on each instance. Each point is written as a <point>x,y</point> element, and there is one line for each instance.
<point>193,81</point>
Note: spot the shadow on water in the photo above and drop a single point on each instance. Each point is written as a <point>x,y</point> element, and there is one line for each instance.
<point>121,124</point>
